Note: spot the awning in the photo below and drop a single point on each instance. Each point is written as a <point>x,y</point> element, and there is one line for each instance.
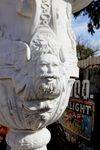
<point>77,5</point>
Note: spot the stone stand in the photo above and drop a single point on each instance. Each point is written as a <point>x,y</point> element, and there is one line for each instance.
<point>28,140</point>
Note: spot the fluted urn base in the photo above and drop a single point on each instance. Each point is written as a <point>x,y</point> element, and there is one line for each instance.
<point>28,140</point>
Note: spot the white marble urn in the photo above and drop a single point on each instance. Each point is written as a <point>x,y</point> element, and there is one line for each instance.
<point>38,66</point>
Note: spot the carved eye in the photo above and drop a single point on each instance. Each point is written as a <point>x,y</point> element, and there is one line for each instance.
<point>43,64</point>
<point>55,65</point>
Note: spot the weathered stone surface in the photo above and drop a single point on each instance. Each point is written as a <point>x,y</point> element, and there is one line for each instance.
<point>37,61</point>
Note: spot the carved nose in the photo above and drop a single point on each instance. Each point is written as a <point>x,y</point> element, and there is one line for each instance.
<point>50,69</point>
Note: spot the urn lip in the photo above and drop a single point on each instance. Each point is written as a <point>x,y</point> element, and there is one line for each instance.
<point>40,107</point>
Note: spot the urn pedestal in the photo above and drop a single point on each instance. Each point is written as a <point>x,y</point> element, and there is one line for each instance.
<point>28,140</point>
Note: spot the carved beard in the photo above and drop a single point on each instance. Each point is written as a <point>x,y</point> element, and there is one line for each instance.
<point>47,87</point>
<point>44,87</point>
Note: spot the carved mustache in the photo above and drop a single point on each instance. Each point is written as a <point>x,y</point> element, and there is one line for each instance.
<point>52,76</point>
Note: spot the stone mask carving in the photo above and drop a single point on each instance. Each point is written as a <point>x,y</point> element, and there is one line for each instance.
<point>37,86</point>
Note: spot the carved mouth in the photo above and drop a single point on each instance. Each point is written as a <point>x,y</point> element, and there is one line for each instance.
<point>49,77</point>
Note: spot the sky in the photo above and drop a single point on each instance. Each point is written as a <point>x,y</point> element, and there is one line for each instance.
<point>80,28</point>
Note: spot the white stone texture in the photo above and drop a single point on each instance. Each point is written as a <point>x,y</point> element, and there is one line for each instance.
<point>28,140</point>
<point>37,61</point>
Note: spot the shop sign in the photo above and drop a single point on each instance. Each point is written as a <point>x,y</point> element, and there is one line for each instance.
<point>81,89</point>
<point>79,118</point>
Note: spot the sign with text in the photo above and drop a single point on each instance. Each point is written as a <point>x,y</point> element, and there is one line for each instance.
<point>79,118</point>
<point>81,89</point>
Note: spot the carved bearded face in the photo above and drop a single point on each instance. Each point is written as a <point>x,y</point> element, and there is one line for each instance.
<point>36,89</point>
<point>47,89</point>
<point>47,81</point>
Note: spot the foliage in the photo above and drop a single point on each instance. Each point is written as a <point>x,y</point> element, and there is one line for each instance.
<point>93,12</point>
<point>84,49</point>
<point>83,52</point>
